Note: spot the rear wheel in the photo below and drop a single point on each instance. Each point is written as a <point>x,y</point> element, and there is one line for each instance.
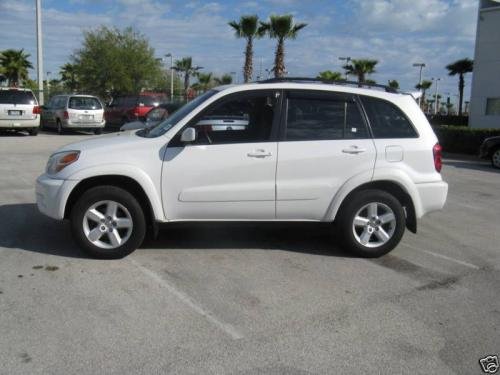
<point>33,131</point>
<point>495,158</point>
<point>108,223</point>
<point>60,129</point>
<point>98,131</point>
<point>372,223</point>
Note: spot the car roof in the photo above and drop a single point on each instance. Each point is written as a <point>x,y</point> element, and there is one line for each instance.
<point>15,89</point>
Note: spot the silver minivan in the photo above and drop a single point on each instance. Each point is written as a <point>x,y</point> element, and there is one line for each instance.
<point>83,112</point>
<point>19,110</point>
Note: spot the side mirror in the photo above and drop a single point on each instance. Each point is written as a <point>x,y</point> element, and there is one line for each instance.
<point>188,135</point>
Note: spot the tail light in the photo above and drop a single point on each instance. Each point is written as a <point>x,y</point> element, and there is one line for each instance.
<point>37,110</point>
<point>438,156</point>
<point>66,115</point>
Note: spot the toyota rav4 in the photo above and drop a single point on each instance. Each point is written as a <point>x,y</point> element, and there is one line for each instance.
<point>363,159</point>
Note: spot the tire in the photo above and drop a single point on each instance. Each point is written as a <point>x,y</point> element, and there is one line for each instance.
<point>495,158</point>
<point>87,225</point>
<point>382,236</point>
<point>33,131</point>
<point>98,131</point>
<point>60,129</point>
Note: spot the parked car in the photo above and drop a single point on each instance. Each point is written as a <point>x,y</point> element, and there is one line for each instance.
<point>365,159</point>
<point>152,118</point>
<point>19,110</point>
<point>82,112</point>
<point>123,109</point>
<point>490,149</point>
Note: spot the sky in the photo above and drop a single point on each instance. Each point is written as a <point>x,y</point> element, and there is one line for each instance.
<point>397,33</point>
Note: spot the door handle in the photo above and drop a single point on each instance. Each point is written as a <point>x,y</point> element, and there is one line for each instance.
<point>259,154</point>
<point>353,150</point>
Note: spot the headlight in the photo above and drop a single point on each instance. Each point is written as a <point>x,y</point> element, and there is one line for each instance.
<point>61,160</point>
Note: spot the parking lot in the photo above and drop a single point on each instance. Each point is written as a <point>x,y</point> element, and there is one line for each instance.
<point>244,298</point>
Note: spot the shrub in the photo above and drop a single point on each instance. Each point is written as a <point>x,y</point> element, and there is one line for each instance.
<point>462,139</point>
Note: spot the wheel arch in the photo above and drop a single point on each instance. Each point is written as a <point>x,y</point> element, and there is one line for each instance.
<point>124,182</point>
<point>391,187</point>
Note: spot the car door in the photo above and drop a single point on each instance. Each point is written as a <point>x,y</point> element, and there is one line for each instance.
<point>325,142</point>
<point>226,173</point>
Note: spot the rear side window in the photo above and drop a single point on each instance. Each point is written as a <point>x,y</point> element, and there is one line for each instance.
<point>76,102</point>
<point>314,118</point>
<point>387,120</point>
<point>16,97</point>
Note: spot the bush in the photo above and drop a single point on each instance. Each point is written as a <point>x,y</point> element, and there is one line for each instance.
<point>462,139</point>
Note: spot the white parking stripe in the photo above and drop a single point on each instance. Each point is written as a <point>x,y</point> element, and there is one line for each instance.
<point>226,327</point>
<point>463,263</point>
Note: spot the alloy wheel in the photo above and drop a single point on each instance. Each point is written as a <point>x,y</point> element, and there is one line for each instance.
<point>374,224</point>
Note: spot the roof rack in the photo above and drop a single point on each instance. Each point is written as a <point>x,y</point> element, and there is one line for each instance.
<point>319,80</point>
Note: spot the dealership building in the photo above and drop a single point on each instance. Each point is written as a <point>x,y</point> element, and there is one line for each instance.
<point>485,95</point>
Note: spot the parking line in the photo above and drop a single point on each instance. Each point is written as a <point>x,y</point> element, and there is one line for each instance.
<point>226,327</point>
<point>463,263</point>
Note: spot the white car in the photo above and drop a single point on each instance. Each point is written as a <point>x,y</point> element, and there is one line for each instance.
<point>82,112</point>
<point>365,159</point>
<point>19,110</point>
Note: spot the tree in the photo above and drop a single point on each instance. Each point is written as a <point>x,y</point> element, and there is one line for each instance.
<point>69,76</point>
<point>225,79</point>
<point>15,65</point>
<point>424,86</point>
<point>328,75</point>
<point>393,84</point>
<point>205,81</point>
<point>460,67</point>
<point>370,82</point>
<point>281,28</point>
<point>185,66</point>
<point>114,61</point>
<point>248,28</point>
<point>360,68</point>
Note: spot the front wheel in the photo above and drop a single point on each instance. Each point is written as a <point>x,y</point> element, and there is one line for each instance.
<point>108,223</point>
<point>495,158</point>
<point>372,223</point>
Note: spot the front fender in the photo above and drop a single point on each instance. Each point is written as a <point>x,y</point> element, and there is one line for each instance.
<point>126,170</point>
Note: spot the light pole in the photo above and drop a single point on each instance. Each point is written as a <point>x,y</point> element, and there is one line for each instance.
<point>436,81</point>
<point>421,66</point>
<point>347,59</point>
<point>233,74</point>
<point>171,76</point>
<point>39,51</point>
<point>48,83</point>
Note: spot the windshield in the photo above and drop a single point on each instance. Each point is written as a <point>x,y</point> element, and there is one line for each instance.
<point>178,115</point>
<point>83,102</point>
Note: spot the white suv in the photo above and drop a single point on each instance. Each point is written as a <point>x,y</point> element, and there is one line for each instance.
<point>365,159</point>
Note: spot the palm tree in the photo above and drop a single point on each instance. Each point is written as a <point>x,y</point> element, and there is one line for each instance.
<point>424,86</point>
<point>328,75</point>
<point>185,66</point>
<point>15,65</point>
<point>393,84</point>
<point>204,81</point>
<point>460,67</point>
<point>226,79</point>
<point>360,68</point>
<point>69,76</point>
<point>281,28</point>
<point>248,27</point>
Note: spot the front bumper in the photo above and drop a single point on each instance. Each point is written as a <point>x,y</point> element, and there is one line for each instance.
<point>52,195</point>
<point>432,197</point>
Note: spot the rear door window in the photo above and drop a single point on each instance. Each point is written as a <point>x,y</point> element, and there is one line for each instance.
<point>77,102</point>
<point>387,120</point>
<point>323,116</point>
<point>16,97</point>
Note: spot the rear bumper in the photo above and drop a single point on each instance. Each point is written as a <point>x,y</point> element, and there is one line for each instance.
<point>52,195</point>
<point>432,197</point>
<point>20,123</point>
<point>83,125</point>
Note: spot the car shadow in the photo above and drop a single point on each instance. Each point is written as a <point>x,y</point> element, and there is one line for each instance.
<point>477,165</point>
<point>24,228</point>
